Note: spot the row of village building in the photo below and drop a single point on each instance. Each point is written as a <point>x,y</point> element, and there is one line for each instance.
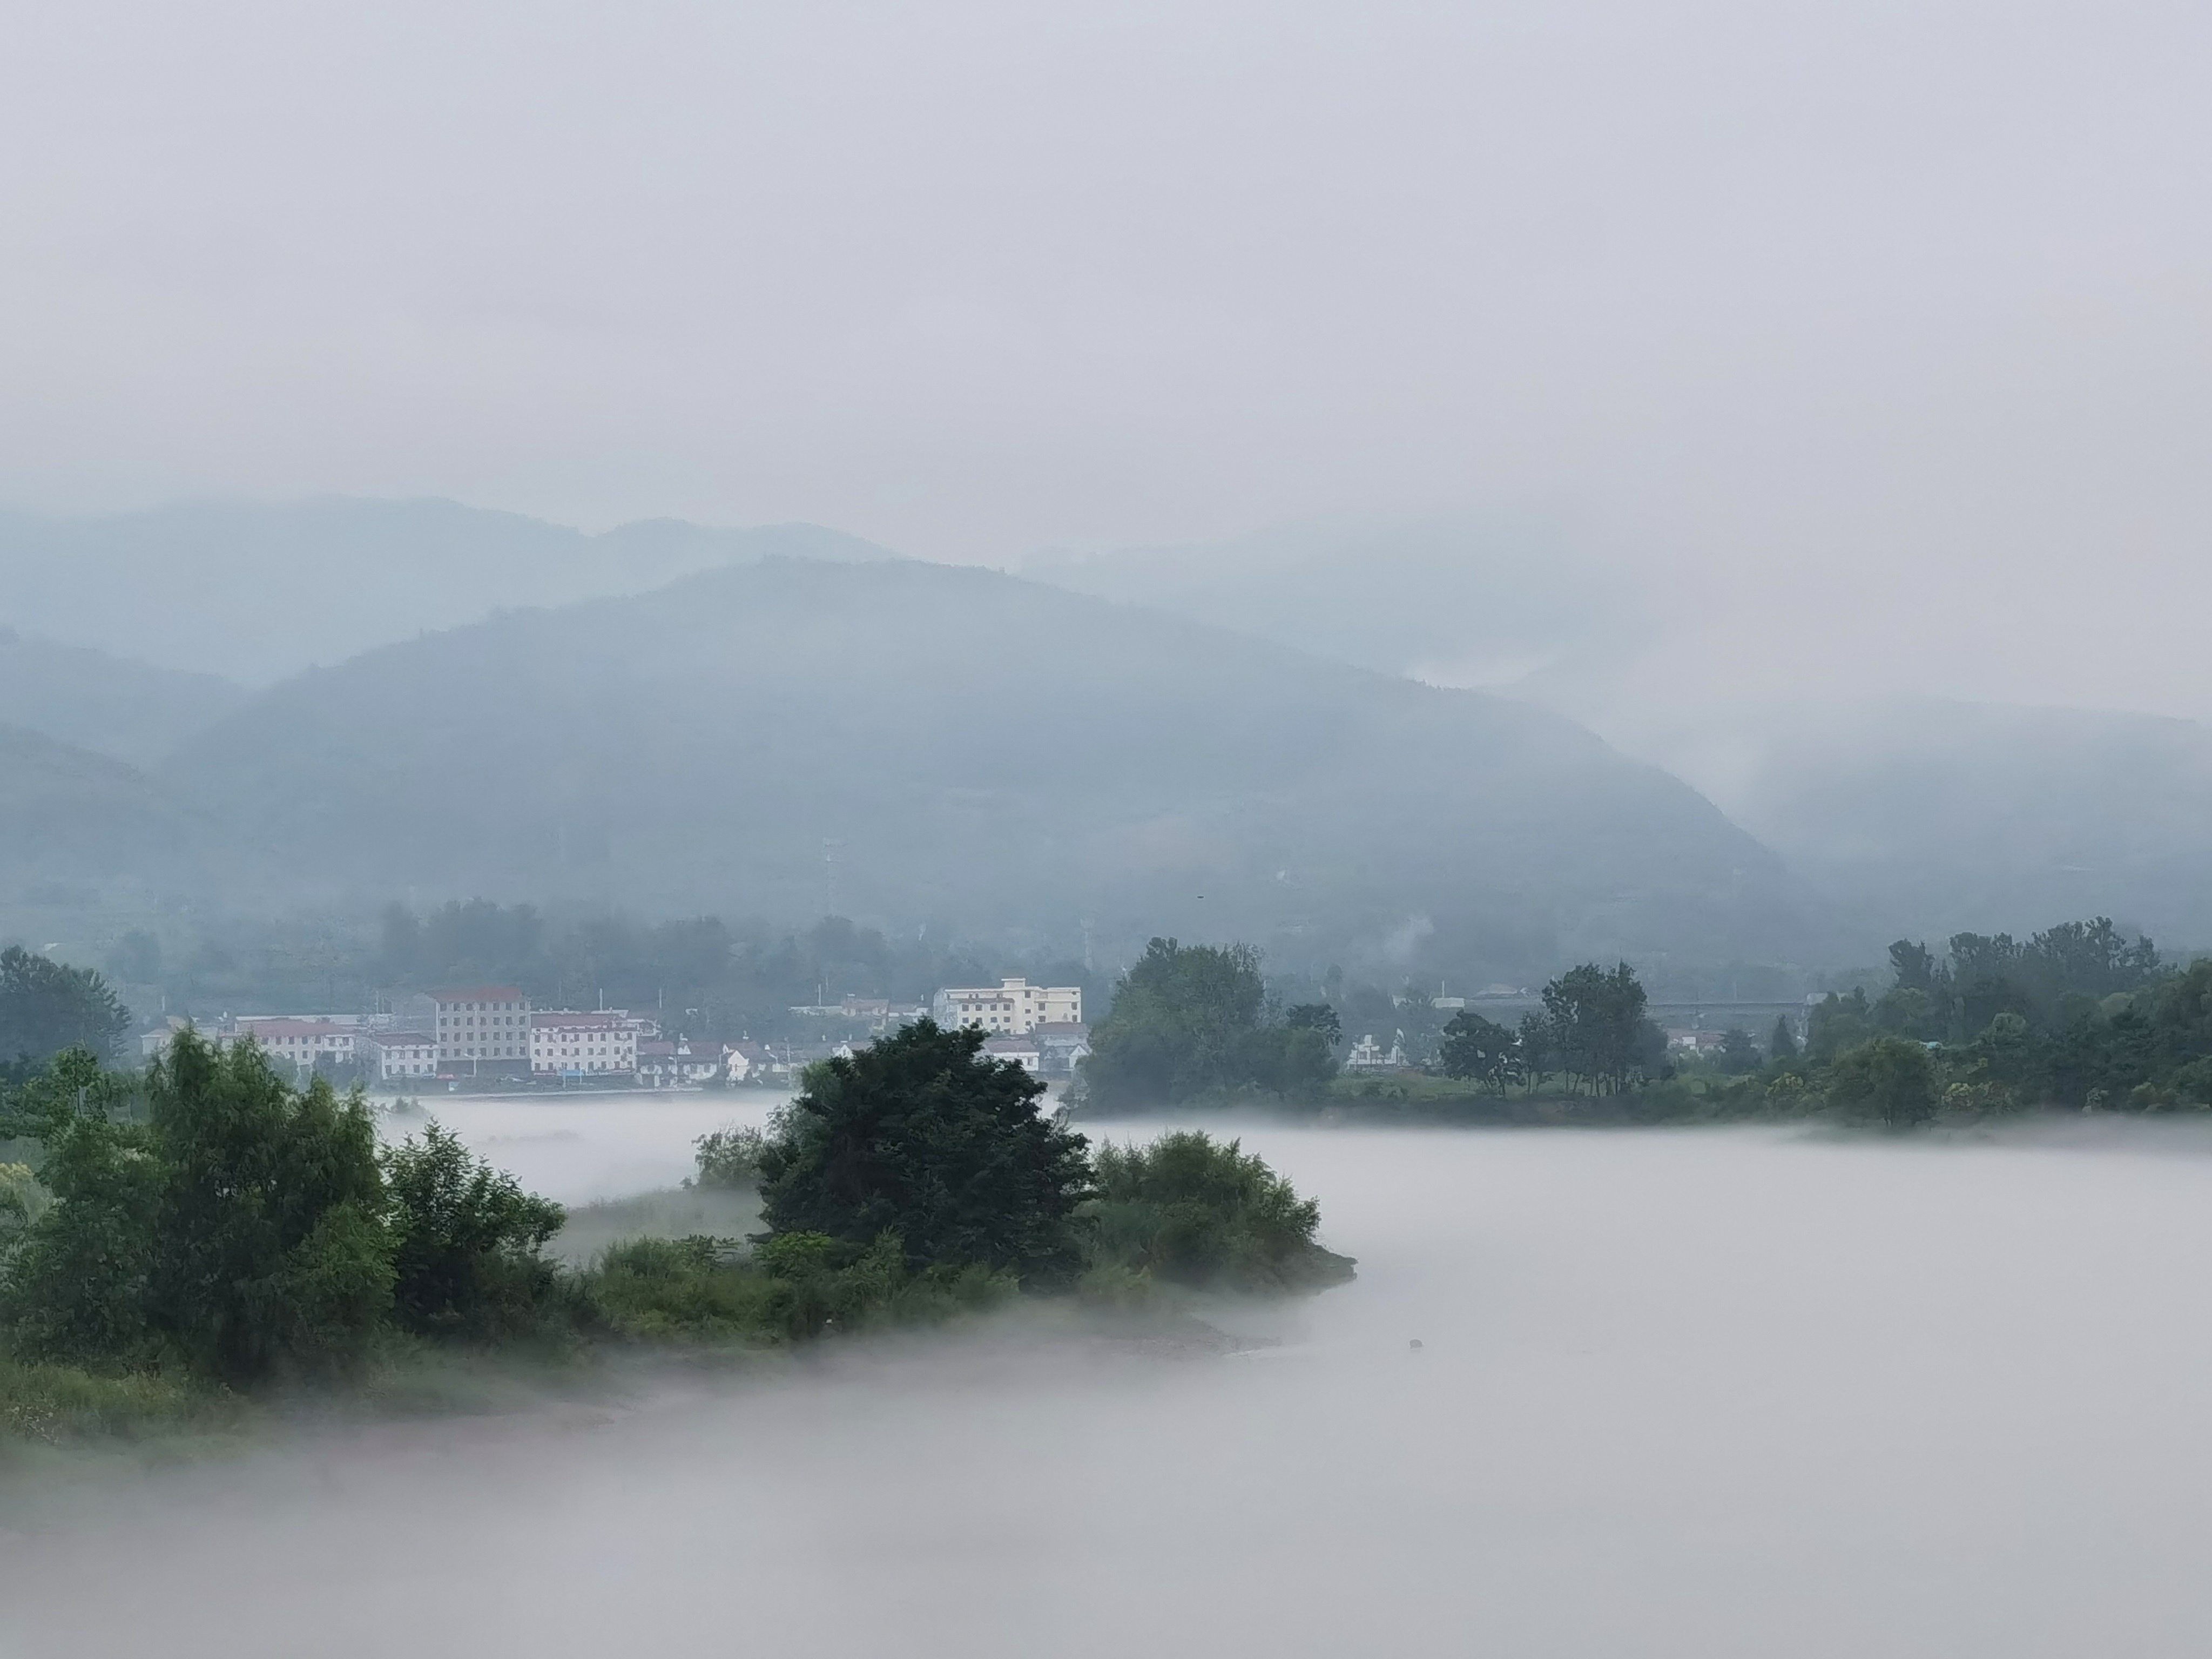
<point>491,1031</point>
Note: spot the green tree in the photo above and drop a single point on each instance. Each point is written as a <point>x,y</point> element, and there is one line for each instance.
<point>1838,1023</point>
<point>1316,1017</point>
<point>921,1137</point>
<point>45,1008</point>
<point>1188,1019</point>
<point>1539,1041</point>
<point>1782,1046</point>
<point>1597,1025</point>
<point>1739,1053</point>
<point>240,1226</point>
<point>729,1157</point>
<point>467,1242</point>
<point>1888,1080</point>
<point>1480,1049</point>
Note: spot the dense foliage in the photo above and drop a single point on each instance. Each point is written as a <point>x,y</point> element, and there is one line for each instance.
<point>1191,1210</point>
<point>45,1008</point>
<point>207,1227</point>
<point>227,1223</point>
<point>1191,1020</point>
<point>921,1138</point>
<point>1591,1033</point>
<point>467,1244</point>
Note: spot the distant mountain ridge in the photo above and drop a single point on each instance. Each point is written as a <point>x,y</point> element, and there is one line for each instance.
<point>129,711</point>
<point>1931,816</point>
<point>254,593</point>
<point>928,744</point>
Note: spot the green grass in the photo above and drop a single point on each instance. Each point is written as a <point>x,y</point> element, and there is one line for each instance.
<point>55,1405</point>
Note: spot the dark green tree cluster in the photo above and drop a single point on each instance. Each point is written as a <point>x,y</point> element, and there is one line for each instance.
<point>921,1139</point>
<point>209,1220</point>
<point>45,1008</point>
<point>1191,1210</point>
<point>1591,1032</point>
<point>1190,1021</point>
<point>2077,1016</point>
<point>212,1217</point>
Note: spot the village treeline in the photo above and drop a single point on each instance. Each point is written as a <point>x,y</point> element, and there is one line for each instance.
<point>2077,1017</point>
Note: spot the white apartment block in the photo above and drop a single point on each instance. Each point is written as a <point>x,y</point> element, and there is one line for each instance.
<point>1013,1007</point>
<point>484,1027</point>
<point>389,1055</point>
<point>568,1043</point>
<point>302,1041</point>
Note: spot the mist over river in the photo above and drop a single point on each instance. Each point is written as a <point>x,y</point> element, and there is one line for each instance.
<point>1696,1393</point>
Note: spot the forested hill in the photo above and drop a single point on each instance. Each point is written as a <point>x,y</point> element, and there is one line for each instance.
<point>68,816</point>
<point>973,750</point>
<point>1923,814</point>
<point>255,592</point>
<point>129,711</point>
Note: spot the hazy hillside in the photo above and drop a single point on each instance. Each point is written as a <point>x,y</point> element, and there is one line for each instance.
<point>255,592</point>
<point>1931,816</point>
<point>985,752</point>
<point>127,710</point>
<point>80,822</point>
<point>1458,601</point>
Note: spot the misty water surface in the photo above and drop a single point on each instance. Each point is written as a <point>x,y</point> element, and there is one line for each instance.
<point>1693,1393</point>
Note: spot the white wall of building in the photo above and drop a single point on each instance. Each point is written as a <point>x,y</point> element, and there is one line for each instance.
<point>487,1024</point>
<point>1013,1007</point>
<point>593,1044</point>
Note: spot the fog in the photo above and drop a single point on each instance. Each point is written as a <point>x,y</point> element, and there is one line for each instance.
<point>1696,1393</point>
<point>1885,314</point>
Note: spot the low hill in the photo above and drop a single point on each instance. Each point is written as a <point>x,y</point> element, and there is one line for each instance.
<point>255,592</point>
<point>129,711</point>
<point>921,744</point>
<point>94,825</point>
<point>1927,817</point>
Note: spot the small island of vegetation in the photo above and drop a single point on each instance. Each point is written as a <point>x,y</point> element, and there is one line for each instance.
<point>177,1242</point>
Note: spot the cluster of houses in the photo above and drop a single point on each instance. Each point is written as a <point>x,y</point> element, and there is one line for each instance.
<point>492,1031</point>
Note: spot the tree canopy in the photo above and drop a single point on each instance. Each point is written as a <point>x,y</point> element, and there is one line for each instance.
<point>923,1137</point>
<point>1190,1020</point>
<point>46,1006</point>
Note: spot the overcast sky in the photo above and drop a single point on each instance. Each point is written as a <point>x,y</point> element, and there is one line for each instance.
<point>1879,331</point>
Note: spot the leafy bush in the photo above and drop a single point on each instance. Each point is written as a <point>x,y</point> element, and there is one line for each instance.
<point>796,1287</point>
<point>1887,1080</point>
<point>467,1242</point>
<point>731,1158</point>
<point>1190,1210</point>
<point>686,1289</point>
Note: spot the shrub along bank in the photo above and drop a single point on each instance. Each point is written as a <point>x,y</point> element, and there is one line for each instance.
<point>206,1231</point>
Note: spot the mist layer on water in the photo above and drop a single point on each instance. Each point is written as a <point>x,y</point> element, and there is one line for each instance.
<point>1703,1393</point>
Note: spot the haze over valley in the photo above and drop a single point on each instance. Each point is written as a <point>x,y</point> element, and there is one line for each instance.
<point>1241,828</point>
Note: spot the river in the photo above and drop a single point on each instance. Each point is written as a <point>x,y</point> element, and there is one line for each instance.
<point>1697,1393</point>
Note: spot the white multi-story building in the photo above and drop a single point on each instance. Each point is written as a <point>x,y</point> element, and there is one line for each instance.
<point>568,1042</point>
<point>1013,1007</point>
<point>302,1041</point>
<point>388,1054</point>
<point>484,1027</point>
